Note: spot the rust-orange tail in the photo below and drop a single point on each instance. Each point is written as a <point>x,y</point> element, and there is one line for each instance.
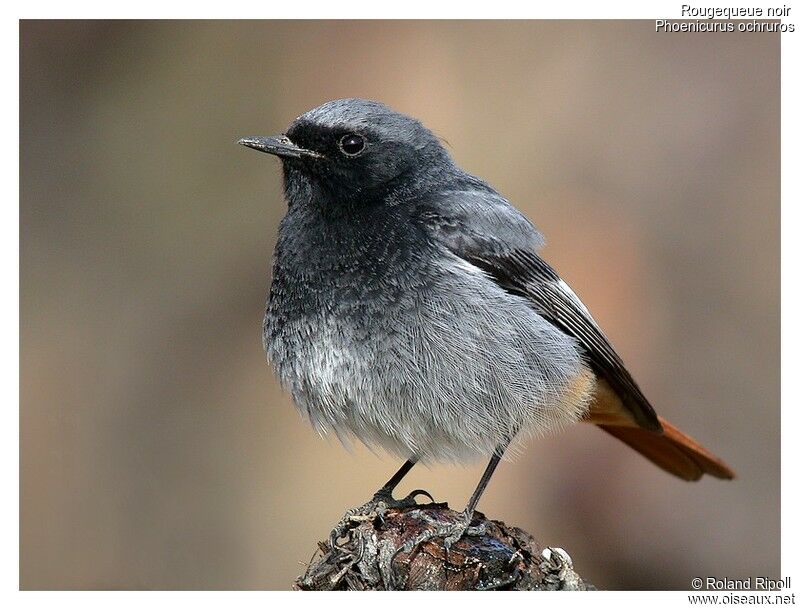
<point>672,450</point>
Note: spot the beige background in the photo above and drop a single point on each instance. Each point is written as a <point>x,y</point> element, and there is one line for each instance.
<point>157,450</point>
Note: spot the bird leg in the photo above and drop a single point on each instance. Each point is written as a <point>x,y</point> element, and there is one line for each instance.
<point>384,494</point>
<point>453,531</point>
<point>382,501</point>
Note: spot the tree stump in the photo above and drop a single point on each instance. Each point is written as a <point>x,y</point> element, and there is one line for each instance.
<point>371,556</point>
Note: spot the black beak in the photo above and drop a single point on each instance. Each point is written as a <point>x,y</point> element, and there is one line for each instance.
<point>280,146</point>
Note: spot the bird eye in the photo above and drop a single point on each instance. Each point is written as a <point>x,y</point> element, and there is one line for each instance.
<point>351,144</point>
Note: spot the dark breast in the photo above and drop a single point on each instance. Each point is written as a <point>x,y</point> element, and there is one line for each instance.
<point>354,271</point>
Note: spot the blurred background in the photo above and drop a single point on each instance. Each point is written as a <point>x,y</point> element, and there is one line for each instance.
<point>157,450</point>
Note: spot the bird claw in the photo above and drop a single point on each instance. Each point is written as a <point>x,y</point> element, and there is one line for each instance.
<point>451,532</point>
<point>460,528</point>
<point>376,507</point>
<point>411,499</point>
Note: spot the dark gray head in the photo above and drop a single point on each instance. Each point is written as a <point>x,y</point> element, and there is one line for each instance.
<point>355,148</point>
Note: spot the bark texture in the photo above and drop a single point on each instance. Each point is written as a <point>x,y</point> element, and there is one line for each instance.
<point>398,548</point>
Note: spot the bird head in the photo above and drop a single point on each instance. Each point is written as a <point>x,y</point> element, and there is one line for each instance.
<point>354,148</point>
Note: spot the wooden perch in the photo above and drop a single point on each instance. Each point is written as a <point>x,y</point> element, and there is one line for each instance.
<point>371,556</point>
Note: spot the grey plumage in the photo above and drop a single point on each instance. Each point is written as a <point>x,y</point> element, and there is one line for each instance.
<point>381,324</point>
<point>409,308</point>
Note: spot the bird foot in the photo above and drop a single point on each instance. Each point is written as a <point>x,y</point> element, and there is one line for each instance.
<point>376,507</point>
<point>450,531</point>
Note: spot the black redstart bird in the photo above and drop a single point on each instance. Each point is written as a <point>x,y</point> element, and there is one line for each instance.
<point>410,309</point>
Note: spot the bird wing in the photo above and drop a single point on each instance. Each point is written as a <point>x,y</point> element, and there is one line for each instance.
<point>488,232</point>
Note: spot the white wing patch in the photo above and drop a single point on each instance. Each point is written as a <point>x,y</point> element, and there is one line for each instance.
<point>574,297</point>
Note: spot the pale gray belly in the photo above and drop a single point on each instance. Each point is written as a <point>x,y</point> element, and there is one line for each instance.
<point>445,373</point>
